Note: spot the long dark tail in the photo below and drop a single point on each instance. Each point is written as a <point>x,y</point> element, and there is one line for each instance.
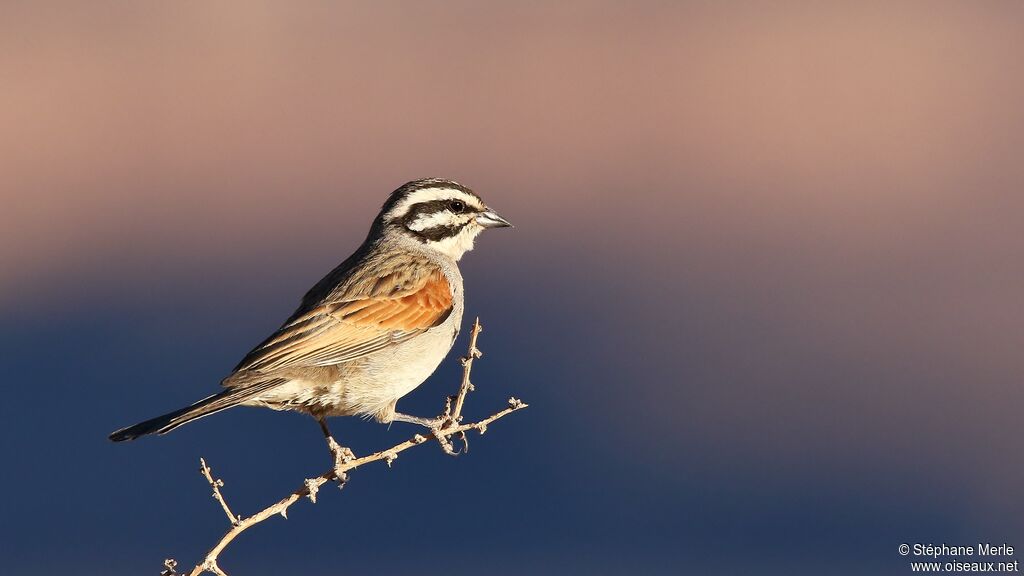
<point>205,407</point>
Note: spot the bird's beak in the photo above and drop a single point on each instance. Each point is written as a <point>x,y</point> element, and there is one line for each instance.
<point>490,219</point>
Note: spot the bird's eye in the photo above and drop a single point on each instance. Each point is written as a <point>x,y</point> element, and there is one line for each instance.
<point>457,206</point>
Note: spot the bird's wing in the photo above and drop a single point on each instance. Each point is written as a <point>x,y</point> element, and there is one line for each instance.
<point>359,319</point>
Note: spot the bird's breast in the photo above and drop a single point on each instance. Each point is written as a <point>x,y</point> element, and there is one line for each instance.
<point>386,376</point>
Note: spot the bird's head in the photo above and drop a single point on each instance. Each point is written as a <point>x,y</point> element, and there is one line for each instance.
<point>441,214</point>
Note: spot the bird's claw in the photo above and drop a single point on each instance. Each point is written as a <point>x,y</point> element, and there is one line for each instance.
<point>342,456</point>
<point>440,425</point>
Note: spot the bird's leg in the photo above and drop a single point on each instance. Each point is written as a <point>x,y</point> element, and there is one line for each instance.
<point>432,423</point>
<point>436,426</point>
<point>341,454</point>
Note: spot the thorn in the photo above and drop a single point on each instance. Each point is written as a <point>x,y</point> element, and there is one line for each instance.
<point>169,567</point>
<point>284,513</point>
<point>313,488</point>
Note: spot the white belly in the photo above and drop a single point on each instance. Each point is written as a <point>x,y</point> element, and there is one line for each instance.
<point>383,378</point>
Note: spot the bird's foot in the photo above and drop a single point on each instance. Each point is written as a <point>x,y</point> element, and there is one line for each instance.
<point>437,427</point>
<point>342,456</point>
<point>444,441</point>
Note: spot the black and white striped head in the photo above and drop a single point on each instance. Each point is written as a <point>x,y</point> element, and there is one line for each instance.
<point>441,214</point>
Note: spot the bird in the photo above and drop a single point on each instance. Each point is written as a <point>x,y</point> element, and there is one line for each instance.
<point>372,330</point>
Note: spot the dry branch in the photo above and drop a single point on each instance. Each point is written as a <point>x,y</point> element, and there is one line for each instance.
<point>450,426</point>
<point>217,485</point>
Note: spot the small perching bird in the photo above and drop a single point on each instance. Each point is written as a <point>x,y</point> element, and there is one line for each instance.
<point>370,331</point>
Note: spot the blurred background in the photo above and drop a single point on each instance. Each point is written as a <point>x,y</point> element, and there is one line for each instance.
<point>763,294</point>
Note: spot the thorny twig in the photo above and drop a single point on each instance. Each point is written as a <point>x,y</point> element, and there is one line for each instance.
<point>217,485</point>
<point>453,414</point>
<point>451,426</point>
<point>467,366</point>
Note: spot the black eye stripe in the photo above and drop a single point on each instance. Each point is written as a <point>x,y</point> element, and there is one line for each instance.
<point>422,209</point>
<point>431,207</point>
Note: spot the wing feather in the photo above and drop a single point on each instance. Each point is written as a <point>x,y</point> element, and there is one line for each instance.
<point>370,316</point>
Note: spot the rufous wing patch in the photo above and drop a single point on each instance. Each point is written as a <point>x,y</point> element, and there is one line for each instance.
<point>426,306</point>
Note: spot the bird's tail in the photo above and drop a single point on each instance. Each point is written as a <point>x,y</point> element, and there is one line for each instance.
<point>205,407</point>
